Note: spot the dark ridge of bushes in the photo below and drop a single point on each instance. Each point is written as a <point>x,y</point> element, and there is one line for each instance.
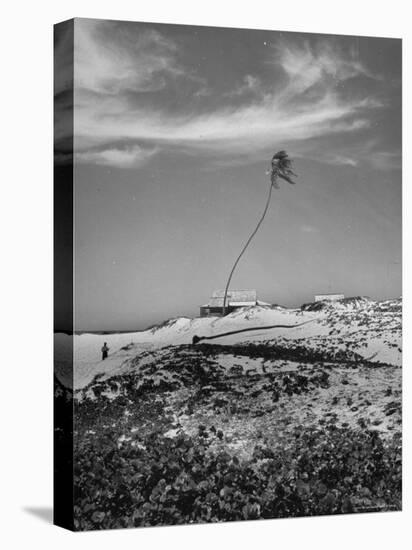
<point>274,352</point>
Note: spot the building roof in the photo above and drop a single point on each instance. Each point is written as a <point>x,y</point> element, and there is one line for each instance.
<point>237,298</point>
<point>321,297</point>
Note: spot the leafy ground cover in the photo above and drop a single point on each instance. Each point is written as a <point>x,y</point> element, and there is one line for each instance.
<point>223,433</point>
<point>178,480</point>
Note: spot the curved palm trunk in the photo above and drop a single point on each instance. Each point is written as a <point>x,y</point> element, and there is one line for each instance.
<point>246,245</point>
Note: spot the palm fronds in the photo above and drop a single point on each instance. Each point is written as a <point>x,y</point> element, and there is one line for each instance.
<point>281,168</point>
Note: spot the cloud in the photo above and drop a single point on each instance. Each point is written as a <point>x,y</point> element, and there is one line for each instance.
<point>110,59</point>
<point>364,154</point>
<point>336,159</point>
<point>228,130</point>
<point>121,158</point>
<point>119,69</point>
<point>251,85</point>
<point>340,160</point>
<point>323,64</point>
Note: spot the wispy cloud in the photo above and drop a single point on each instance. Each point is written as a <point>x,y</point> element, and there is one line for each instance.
<point>340,160</point>
<point>324,64</point>
<point>227,129</point>
<point>300,104</point>
<point>111,60</point>
<point>250,86</point>
<point>363,154</point>
<point>122,158</point>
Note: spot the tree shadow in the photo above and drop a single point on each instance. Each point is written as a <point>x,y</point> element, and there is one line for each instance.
<point>44,513</point>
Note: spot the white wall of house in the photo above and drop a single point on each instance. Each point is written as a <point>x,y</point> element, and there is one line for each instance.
<point>332,297</point>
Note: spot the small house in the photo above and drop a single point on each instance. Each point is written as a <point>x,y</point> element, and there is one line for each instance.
<point>235,299</point>
<point>330,297</point>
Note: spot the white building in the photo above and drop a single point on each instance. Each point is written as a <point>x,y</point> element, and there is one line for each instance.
<point>235,299</point>
<point>331,297</point>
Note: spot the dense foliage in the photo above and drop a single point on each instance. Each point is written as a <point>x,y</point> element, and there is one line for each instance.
<point>159,480</point>
<point>164,442</point>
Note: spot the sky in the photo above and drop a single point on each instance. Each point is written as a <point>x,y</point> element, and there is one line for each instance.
<point>175,127</point>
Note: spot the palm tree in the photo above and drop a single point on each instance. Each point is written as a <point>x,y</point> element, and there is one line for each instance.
<point>281,167</point>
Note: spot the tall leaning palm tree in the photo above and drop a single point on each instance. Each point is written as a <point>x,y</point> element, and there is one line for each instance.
<point>281,167</point>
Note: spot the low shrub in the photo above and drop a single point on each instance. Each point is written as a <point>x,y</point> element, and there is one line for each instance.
<point>185,479</point>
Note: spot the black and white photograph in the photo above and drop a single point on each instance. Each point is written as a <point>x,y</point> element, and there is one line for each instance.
<point>228,203</point>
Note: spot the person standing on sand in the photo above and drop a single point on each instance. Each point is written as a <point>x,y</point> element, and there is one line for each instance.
<point>105,351</point>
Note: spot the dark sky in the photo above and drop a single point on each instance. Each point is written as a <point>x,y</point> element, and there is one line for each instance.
<point>174,130</point>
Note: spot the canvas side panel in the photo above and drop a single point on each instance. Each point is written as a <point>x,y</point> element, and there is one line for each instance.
<point>63,274</point>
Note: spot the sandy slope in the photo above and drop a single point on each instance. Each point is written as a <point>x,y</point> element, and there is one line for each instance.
<point>359,328</point>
